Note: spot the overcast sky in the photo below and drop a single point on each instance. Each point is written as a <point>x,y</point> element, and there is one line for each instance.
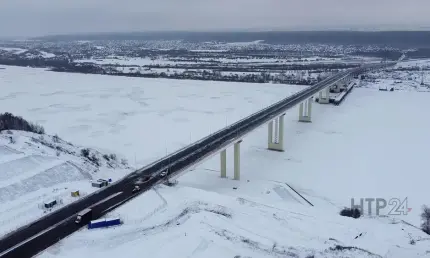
<point>43,17</point>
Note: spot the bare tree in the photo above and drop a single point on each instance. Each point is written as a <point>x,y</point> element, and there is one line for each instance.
<point>425,216</point>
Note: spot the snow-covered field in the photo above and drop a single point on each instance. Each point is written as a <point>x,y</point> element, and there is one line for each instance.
<point>399,80</point>
<point>374,145</point>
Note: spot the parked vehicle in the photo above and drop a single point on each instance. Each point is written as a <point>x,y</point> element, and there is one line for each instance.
<point>84,216</point>
<point>50,204</point>
<point>104,223</point>
<point>100,183</point>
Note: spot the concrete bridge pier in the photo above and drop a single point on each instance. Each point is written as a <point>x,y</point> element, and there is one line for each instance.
<point>223,156</point>
<point>324,96</point>
<point>305,111</point>
<point>276,134</point>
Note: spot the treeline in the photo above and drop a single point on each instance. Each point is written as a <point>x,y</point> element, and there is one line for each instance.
<point>249,78</point>
<point>56,64</point>
<point>257,68</point>
<point>11,122</point>
<point>386,54</point>
<point>34,62</point>
<point>61,65</point>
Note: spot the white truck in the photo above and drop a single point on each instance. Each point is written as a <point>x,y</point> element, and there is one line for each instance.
<point>84,215</point>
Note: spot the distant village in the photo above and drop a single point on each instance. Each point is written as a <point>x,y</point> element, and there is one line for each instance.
<point>254,63</point>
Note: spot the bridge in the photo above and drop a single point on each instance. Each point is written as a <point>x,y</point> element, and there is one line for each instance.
<point>30,239</point>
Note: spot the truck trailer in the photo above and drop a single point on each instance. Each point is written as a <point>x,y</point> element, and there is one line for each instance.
<point>104,223</point>
<point>84,216</point>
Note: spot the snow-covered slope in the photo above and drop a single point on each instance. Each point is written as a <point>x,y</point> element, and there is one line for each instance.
<point>37,168</point>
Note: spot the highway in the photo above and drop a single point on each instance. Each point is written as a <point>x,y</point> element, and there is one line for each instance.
<point>30,239</point>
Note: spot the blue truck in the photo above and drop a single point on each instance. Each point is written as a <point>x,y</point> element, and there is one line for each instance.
<point>104,223</point>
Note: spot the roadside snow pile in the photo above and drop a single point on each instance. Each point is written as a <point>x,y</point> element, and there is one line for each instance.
<point>37,167</point>
<point>187,222</point>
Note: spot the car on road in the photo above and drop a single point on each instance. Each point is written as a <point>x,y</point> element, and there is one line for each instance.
<point>146,178</point>
<point>163,174</point>
<point>136,189</point>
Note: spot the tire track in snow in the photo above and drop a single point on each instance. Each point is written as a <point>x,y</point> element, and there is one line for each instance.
<point>203,246</point>
<point>126,236</point>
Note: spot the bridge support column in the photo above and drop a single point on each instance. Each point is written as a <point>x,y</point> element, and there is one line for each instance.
<point>276,136</point>
<point>237,160</point>
<point>223,156</point>
<point>305,111</point>
<point>324,96</point>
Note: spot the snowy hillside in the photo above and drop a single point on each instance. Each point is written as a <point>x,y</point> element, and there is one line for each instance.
<point>37,168</point>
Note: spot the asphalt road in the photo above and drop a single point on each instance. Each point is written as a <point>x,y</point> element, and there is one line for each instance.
<point>44,232</point>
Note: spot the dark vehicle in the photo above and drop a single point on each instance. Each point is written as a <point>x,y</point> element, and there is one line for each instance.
<point>146,178</point>
<point>84,216</point>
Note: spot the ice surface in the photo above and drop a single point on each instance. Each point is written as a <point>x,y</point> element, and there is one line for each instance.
<point>131,116</point>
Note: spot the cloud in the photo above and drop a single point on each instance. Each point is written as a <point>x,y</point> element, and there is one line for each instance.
<point>41,17</point>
